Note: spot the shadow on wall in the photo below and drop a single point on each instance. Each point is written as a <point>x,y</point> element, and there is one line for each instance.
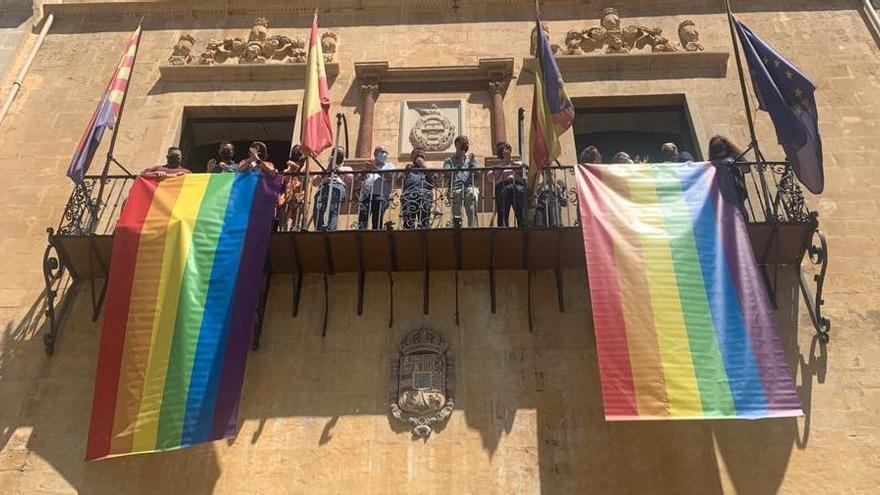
<point>45,405</point>
<point>505,377</point>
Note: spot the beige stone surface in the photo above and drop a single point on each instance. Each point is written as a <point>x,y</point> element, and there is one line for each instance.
<point>529,415</point>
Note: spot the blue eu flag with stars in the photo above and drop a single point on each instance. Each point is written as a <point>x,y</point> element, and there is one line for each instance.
<point>787,95</point>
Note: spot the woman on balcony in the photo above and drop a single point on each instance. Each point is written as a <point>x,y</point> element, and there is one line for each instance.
<point>727,154</point>
<point>418,193</point>
<point>510,187</point>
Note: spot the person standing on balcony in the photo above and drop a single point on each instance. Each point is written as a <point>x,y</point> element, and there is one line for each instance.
<point>510,187</point>
<point>256,160</point>
<point>462,191</point>
<point>291,199</point>
<point>590,154</point>
<point>551,197</point>
<point>172,168</point>
<point>225,161</point>
<point>723,152</point>
<point>332,191</point>
<point>670,154</point>
<point>375,191</point>
<point>418,193</point>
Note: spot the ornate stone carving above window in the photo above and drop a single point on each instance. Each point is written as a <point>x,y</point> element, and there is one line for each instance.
<point>259,48</point>
<point>612,36</point>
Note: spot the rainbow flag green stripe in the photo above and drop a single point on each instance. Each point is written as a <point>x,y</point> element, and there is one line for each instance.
<point>181,298</point>
<point>684,328</point>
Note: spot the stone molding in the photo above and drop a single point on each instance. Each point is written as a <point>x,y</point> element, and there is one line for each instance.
<point>675,64</point>
<point>240,72</point>
<point>487,70</point>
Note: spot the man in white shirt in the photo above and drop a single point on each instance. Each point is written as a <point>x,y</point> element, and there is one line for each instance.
<point>375,191</point>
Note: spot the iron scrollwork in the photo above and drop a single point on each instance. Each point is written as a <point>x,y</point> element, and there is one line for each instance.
<point>79,209</point>
<point>818,255</point>
<point>53,271</point>
<point>792,197</point>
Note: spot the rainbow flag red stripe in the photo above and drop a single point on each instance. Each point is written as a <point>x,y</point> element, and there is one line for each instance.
<point>684,327</point>
<point>316,132</point>
<point>107,113</point>
<point>188,254</point>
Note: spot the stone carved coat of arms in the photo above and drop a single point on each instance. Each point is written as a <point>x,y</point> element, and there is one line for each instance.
<point>422,382</point>
<point>433,131</point>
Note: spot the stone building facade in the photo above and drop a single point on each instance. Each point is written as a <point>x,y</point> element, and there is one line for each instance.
<point>528,417</point>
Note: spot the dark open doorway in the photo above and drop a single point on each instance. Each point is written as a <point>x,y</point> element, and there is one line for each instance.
<point>205,128</point>
<point>638,130</point>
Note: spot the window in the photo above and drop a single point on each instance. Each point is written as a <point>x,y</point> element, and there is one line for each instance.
<point>638,130</point>
<point>204,128</point>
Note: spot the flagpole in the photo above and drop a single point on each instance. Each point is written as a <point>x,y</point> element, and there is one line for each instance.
<point>116,126</point>
<point>759,157</point>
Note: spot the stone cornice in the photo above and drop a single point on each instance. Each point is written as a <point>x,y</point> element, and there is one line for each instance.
<point>677,64</point>
<point>240,72</point>
<point>486,70</point>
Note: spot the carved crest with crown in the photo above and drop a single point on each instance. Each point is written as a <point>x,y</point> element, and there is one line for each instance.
<point>260,47</point>
<point>612,36</point>
<point>422,382</point>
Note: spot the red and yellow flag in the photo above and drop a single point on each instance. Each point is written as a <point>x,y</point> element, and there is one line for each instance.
<point>316,134</point>
<point>107,113</point>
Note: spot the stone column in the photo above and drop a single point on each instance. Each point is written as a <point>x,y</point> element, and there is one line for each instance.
<point>365,129</point>
<point>499,128</point>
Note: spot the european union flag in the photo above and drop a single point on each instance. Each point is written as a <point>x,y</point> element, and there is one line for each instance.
<point>787,95</point>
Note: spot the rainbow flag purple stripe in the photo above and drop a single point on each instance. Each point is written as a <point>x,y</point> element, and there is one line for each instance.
<point>684,327</point>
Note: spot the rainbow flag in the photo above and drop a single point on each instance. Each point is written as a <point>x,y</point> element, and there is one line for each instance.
<point>684,327</point>
<point>188,255</point>
<point>107,113</point>
<point>316,134</point>
<point>552,110</point>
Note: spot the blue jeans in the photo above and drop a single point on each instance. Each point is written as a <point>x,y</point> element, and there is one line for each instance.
<point>328,199</point>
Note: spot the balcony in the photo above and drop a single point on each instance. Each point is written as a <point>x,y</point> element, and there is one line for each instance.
<point>398,238</point>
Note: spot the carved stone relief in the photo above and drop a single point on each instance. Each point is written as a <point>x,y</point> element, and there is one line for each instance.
<point>431,125</point>
<point>260,47</point>
<point>612,36</point>
<point>422,382</point>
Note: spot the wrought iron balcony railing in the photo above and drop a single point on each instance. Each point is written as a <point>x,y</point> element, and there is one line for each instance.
<point>430,219</point>
<point>433,199</point>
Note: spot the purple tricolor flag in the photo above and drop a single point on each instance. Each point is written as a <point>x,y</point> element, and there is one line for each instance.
<point>552,110</point>
<point>107,113</point>
<point>787,95</point>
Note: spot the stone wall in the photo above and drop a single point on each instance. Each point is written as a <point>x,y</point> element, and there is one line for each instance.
<point>314,416</point>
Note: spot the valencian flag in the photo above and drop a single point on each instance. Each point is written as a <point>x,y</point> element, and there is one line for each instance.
<point>316,132</point>
<point>188,255</point>
<point>684,327</point>
<point>552,110</point>
<point>788,96</point>
<point>107,113</point>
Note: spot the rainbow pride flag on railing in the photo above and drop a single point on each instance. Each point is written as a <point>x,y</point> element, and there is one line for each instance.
<point>684,327</point>
<point>188,257</point>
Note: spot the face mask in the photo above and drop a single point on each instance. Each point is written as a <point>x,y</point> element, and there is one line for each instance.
<point>226,153</point>
<point>382,157</point>
<point>173,160</point>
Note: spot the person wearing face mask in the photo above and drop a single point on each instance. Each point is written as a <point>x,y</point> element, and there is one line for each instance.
<point>418,193</point>
<point>462,191</point>
<point>172,168</point>
<point>510,187</point>
<point>332,190</point>
<point>225,161</point>
<point>375,191</point>
<point>256,160</point>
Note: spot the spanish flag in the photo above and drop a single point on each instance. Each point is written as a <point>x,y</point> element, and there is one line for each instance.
<point>552,110</point>
<point>316,134</point>
<point>107,113</point>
